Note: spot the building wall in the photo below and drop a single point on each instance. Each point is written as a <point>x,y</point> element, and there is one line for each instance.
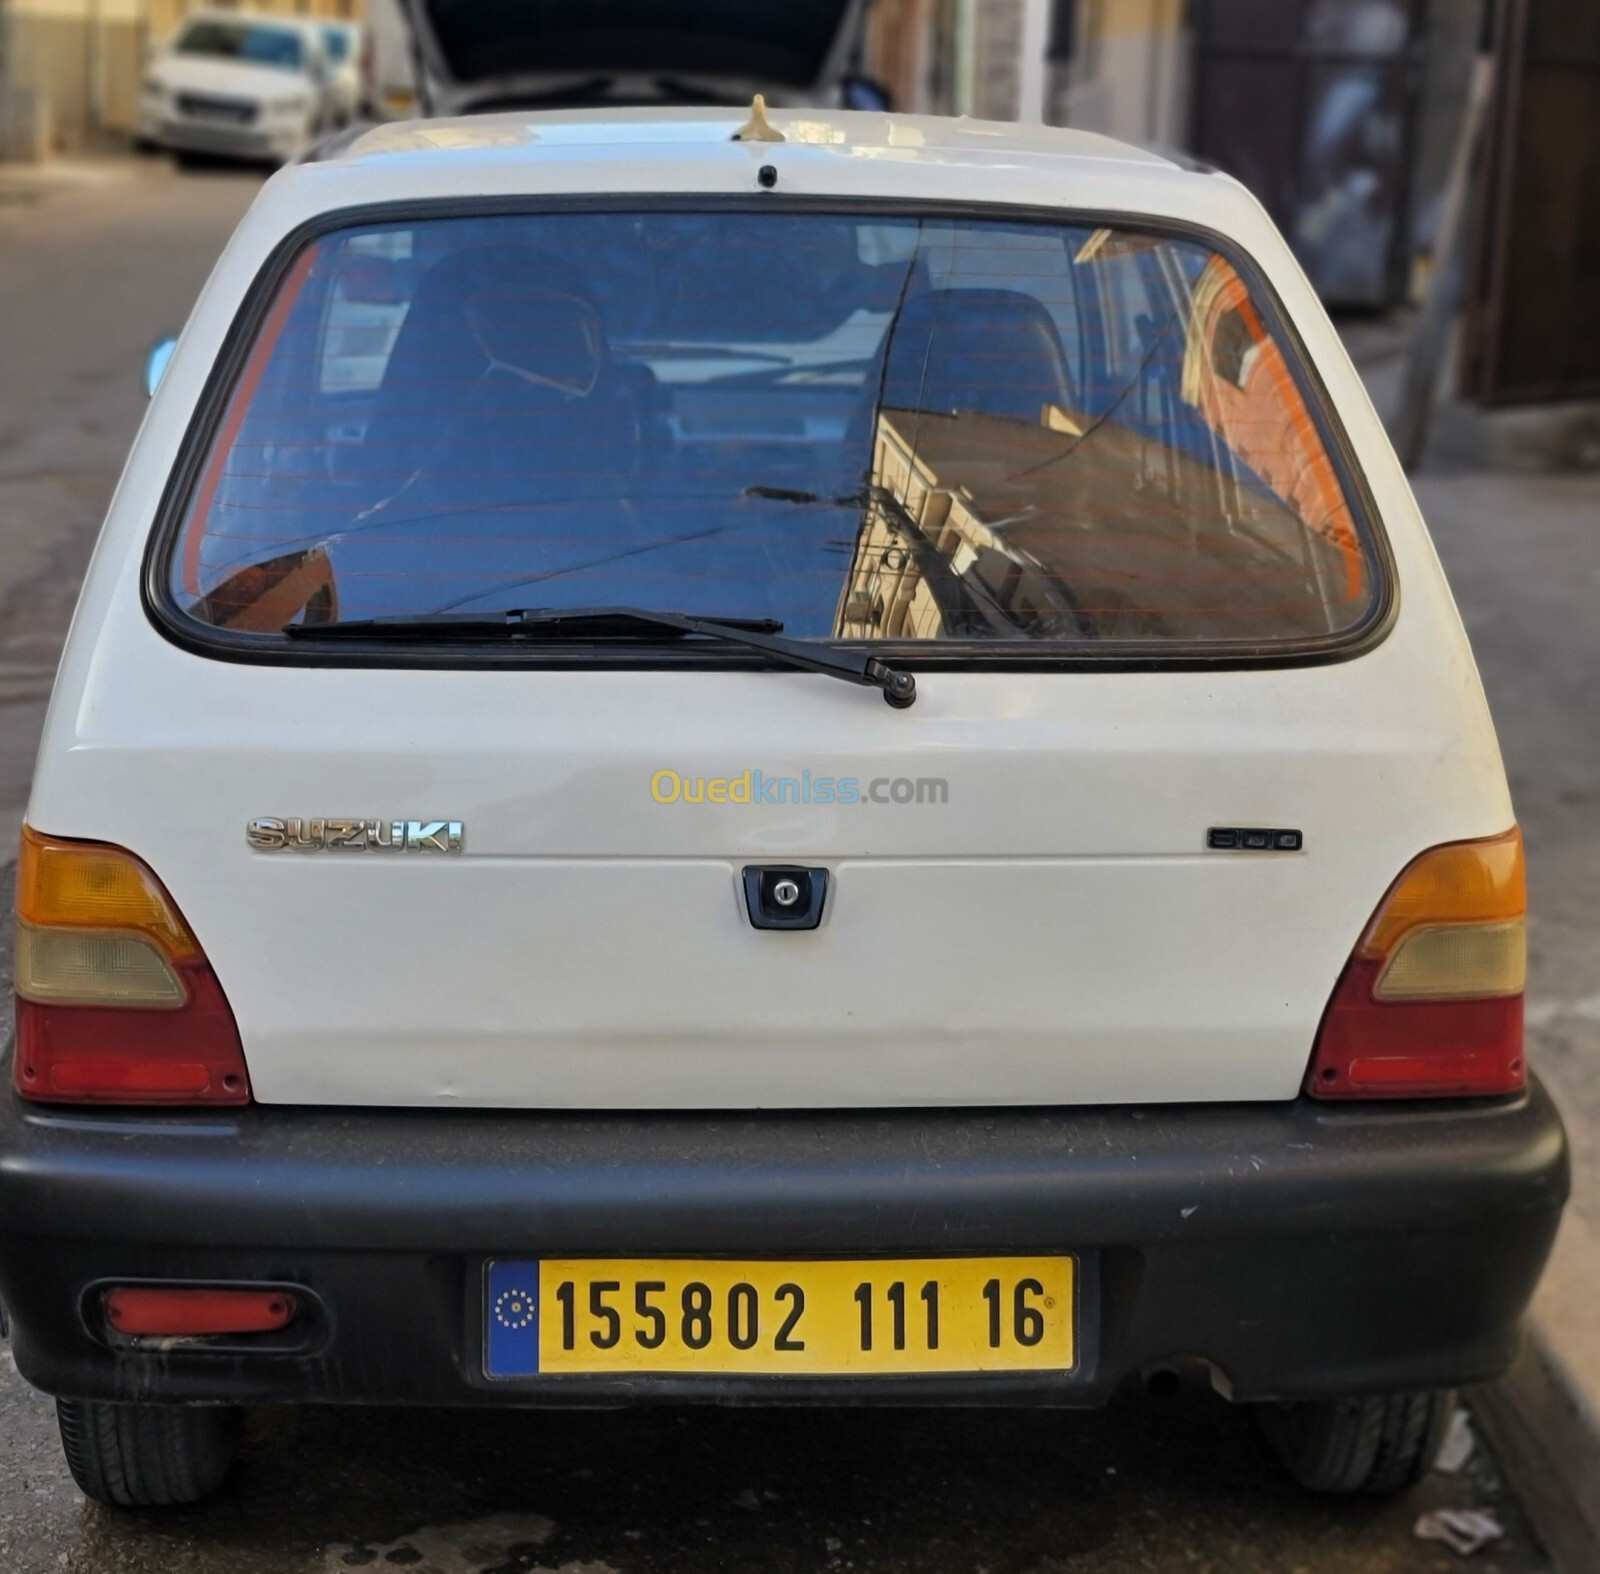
<point>86,57</point>
<point>1125,72</point>
<point>904,51</point>
<point>998,32</point>
<point>1453,33</point>
<point>953,57</point>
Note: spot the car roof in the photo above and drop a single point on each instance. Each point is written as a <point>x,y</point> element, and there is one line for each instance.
<point>842,132</point>
<point>685,152</point>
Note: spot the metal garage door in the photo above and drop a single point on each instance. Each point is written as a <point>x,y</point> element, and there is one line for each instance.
<point>1312,104</point>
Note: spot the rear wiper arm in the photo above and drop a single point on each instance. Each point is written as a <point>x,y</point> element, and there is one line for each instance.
<point>558,623</point>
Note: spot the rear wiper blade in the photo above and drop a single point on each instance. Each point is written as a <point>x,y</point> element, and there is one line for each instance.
<point>552,623</point>
<point>558,623</point>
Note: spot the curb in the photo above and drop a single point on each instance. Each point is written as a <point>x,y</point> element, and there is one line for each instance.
<point>1543,1418</point>
<point>1565,1325</point>
<point>1552,439</point>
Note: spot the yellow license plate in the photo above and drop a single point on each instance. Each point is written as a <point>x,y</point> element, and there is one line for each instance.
<point>866,1318</point>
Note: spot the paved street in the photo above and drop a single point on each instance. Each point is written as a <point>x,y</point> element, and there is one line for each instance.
<point>94,266</point>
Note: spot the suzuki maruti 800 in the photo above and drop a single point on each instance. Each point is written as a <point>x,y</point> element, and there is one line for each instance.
<point>798,758</point>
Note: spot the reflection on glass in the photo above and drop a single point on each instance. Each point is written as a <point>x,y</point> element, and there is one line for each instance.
<point>861,428</point>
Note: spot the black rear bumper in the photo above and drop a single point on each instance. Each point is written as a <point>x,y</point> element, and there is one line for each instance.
<point>1303,1250</point>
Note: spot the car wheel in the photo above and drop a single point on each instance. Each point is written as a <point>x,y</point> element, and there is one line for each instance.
<point>146,1456</point>
<point>1375,1443</point>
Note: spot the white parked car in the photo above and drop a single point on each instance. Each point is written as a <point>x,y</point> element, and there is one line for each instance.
<point>343,44</point>
<point>234,85</point>
<point>474,949</point>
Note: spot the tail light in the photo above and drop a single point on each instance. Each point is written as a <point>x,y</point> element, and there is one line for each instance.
<point>116,1003</point>
<point>1430,1003</point>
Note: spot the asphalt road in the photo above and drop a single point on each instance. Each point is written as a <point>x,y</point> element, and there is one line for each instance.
<point>94,267</point>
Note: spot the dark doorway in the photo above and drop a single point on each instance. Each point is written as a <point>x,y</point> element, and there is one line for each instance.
<point>1313,105</point>
<point>1532,325</point>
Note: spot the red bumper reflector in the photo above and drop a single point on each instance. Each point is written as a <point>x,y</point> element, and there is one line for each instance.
<point>158,1311</point>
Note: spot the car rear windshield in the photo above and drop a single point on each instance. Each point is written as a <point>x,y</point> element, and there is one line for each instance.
<point>905,429</point>
<point>250,42</point>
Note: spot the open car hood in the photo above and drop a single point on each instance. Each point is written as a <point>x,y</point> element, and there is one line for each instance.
<point>503,54</point>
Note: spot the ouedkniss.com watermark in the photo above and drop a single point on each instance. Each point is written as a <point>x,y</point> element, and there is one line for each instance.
<point>756,787</point>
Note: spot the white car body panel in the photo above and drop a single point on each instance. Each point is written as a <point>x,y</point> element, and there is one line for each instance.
<point>1054,934</point>
<point>230,78</point>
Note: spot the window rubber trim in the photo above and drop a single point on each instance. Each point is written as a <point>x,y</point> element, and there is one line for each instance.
<point>204,639</point>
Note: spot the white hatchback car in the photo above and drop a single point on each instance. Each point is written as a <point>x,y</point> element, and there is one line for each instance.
<point>447,973</point>
<point>234,85</point>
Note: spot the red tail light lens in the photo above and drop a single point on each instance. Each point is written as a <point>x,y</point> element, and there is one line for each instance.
<point>176,1312</point>
<point>1430,1003</point>
<point>116,1002</point>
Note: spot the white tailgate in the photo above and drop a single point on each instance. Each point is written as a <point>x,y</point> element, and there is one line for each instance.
<point>1056,932</point>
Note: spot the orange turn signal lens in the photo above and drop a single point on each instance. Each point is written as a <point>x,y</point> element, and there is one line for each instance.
<point>88,885</point>
<point>1482,882</point>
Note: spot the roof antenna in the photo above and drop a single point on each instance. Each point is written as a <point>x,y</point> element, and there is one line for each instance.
<point>758,128</point>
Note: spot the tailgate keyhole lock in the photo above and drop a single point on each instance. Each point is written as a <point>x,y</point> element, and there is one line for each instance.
<point>785,896</point>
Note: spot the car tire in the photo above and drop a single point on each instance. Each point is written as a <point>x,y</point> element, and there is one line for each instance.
<point>146,1456</point>
<point>1374,1443</point>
